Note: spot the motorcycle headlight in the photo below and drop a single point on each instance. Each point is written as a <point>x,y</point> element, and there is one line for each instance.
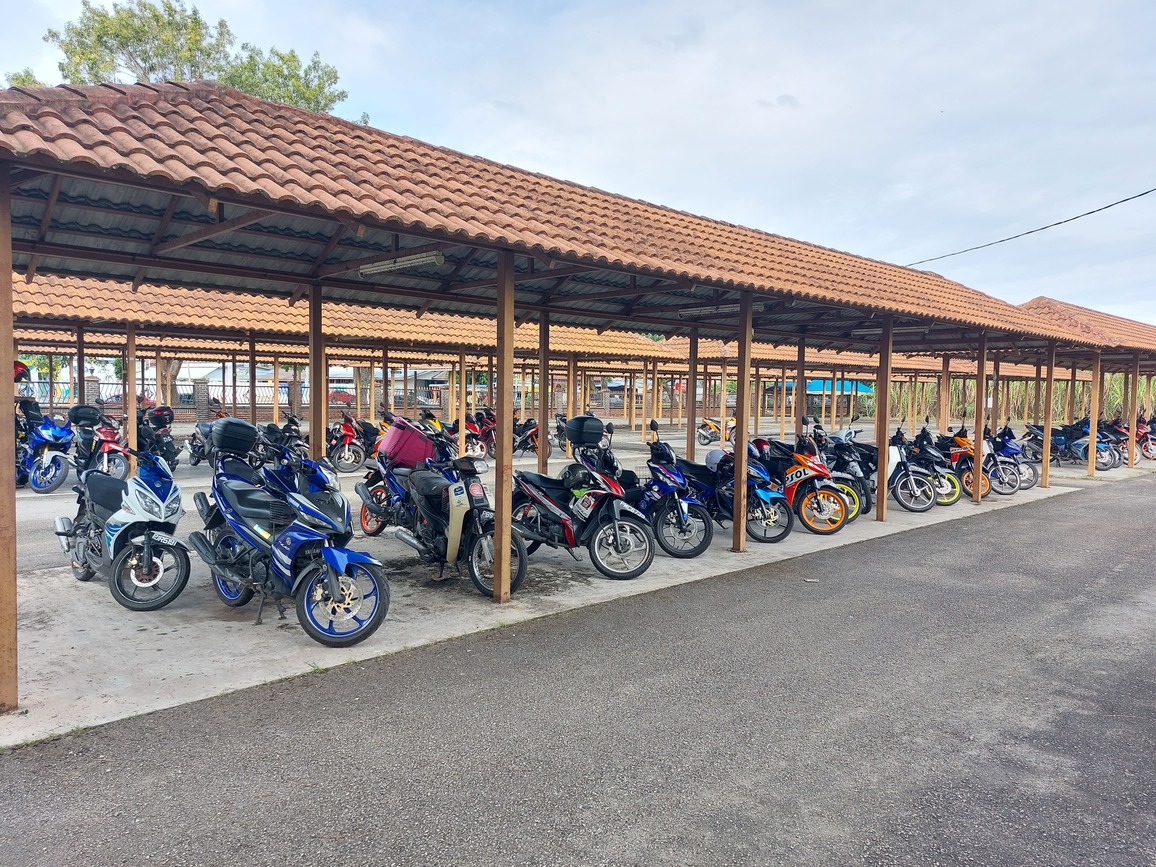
<point>151,506</point>
<point>330,476</point>
<point>172,508</point>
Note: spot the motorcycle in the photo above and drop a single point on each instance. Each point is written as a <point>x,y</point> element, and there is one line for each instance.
<point>769,515</point>
<point>384,491</point>
<point>711,431</point>
<point>924,455</point>
<point>453,522</point>
<point>956,445</point>
<point>584,507</point>
<point>200,444</point>
<point>282,534</point>
<point>159,421</point>
<point>1004,445</point>
<point>343,445</point>
<point>43,460</point>
<point>806,482</point>
<point>526,437</point>
<point>909,484</point>
<point>682,525</point>
<point>124,531</point>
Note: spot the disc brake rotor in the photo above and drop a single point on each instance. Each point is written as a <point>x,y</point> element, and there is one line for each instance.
<point>339,609</point>
<point>139,578</point>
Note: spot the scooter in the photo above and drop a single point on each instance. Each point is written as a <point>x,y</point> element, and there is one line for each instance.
<point>453,522</point>
<point>124,531</point>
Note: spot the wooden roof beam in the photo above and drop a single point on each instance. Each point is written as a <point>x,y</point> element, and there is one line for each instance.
<point>45,223</point>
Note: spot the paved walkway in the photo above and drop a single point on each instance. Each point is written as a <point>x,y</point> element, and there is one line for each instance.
<point>978,691</point>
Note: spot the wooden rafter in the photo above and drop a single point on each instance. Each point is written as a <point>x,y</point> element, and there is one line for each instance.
<point>246,219</point>
<point>45,223</point>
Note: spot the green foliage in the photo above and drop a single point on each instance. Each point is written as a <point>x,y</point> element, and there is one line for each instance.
<point>40,363</point>
<point>142,40</point>
<point>24,78</point>
<point>280,77</point>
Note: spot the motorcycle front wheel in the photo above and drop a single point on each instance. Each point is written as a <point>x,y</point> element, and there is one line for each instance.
<point>372,524</point>
<point>1004,479</point>
<point>140,590</point>
<point>351,619</point>
<point>769,522</point>
<point>914,493</point>
<point>631,559</point>
<point>117,465</point>
<point>480,562</point>
<point>823,511</point>
<point>1029,475</point>
<point>1104,460</point>
<point>948,489</point>
<point>704,439</point>
<point>682,542</point>
<point>48,477</point>
<point>348,458</point>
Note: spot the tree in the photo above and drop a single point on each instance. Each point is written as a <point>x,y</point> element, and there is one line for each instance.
<point>139,40</point>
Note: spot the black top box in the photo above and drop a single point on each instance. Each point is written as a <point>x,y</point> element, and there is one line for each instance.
<point>234,435</point>
<point>161,416</point>
<point>84,414</point>
<point>585,430</point>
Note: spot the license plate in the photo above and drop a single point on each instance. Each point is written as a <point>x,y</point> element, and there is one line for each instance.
<point>583,507</point>
<point>166,539</point>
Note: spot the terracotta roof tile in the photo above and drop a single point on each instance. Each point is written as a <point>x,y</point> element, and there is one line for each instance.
<point>1102,328</point>
<point>199,131</point>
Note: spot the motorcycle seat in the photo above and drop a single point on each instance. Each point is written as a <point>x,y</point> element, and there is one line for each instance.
<point>401,473</point>
<point>237,467</point>
<point>205,428</point>
<point>547,483</point>
<point>104,490</point>
<point>699,472</point>
<point>249,501</point>
<point>428,483</point>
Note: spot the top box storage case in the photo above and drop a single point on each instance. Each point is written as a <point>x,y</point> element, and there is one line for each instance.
<point>234,435</point>
<point>585,430</point>
<point>84,414</point>
<point>161,416</point>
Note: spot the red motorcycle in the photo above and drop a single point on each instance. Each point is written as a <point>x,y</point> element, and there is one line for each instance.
<point>343,445</point>
<point>98,443</point>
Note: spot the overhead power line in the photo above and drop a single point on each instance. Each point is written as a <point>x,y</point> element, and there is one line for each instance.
<point>1031,231</point>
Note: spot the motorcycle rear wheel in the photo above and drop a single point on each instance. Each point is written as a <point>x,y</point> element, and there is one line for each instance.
<point>229,592</point>
<point>949,492</point>
<point>965,481</point>
<point>704,439</point>
<point>480,562</point>
<point>1029,476</point>
<point>1104,460</point>
<point>348,458</point>
<point>854,505</point>
<point>1004,479</point>
<point>117,465</point>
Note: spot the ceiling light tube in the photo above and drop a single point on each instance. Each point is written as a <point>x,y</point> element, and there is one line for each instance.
<point>400,264</point>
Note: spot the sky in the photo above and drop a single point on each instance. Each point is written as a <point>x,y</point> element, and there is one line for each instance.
<point>893,130</point>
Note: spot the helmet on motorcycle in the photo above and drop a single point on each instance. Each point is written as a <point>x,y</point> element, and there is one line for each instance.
<point>20,372</point>
<point>762,446</point>
<point>661,453</point>
<point>576,476</point>
<point>608,464</point>
<point>712,459</point>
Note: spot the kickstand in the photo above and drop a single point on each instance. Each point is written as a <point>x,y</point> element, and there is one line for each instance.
<point>260,608</point>
<point>570,551</point>
<point>280,607</point>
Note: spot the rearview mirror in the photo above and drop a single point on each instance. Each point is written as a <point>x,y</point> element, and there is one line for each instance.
<point>855,417</point>
<point>654,425</point>
<point>610,427</point>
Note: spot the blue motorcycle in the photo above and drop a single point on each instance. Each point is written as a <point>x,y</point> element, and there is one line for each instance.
<point>1004,445</point>
<point>43,459</point>
<point>683,525</point>
<point>770,517</point>
<point>281,533</point>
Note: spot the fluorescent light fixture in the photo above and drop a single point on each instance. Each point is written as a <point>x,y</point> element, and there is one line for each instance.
<point>400,264</point>
<point>718,310</point>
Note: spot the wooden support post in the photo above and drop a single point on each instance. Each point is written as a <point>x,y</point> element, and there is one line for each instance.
<point>490,381</point>
<point>945,395</point>
<point>628,399</point>
<point>405,389</point>
<point>51,384</point>
<point>655,397</point>
<point>462,400</point>
<point>783,406</point>
<point>571,395</point>
<point>1133,409</point>
<point>276,378</point>
<point>758,401</point>
<point>742,421</point>
<point>130,390</point>
<point>995,403</point>
<point>980,412</point>
<point>81,366</point>
<point>504,432</point>
<point>546,422</point>
<point>800,386</point>
<point>234,389</point>
<point>371,397</point>
<point>318,376</point>
<point>386,380</point>
<point>451,394</point>
<point>161,395</point>
<point>522,394</point>
<point>1148,394</point>
<point>1094,410</point>
<point>253,380</point>
<point>645,391</point>
<point>9,676</point>
<point>883,415</point>
<point>1036,401</point>
<point>1072,397</point>
<point>1049,387</point>
<point>692,395</point>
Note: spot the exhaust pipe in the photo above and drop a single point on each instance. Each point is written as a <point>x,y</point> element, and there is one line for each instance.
<point>404,535</point>
<point>65,531</point>
<point>368,501</point>
<point>204,550</point>
<point>204,506</point>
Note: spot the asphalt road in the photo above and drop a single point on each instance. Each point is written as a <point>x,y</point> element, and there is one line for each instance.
<point>979,691</point>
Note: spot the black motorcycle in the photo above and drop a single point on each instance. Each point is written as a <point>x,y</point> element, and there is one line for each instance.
<point>584,507</point>
<point>453,522</point>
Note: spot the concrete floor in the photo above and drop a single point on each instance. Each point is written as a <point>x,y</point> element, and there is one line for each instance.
<point>972,692</point>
